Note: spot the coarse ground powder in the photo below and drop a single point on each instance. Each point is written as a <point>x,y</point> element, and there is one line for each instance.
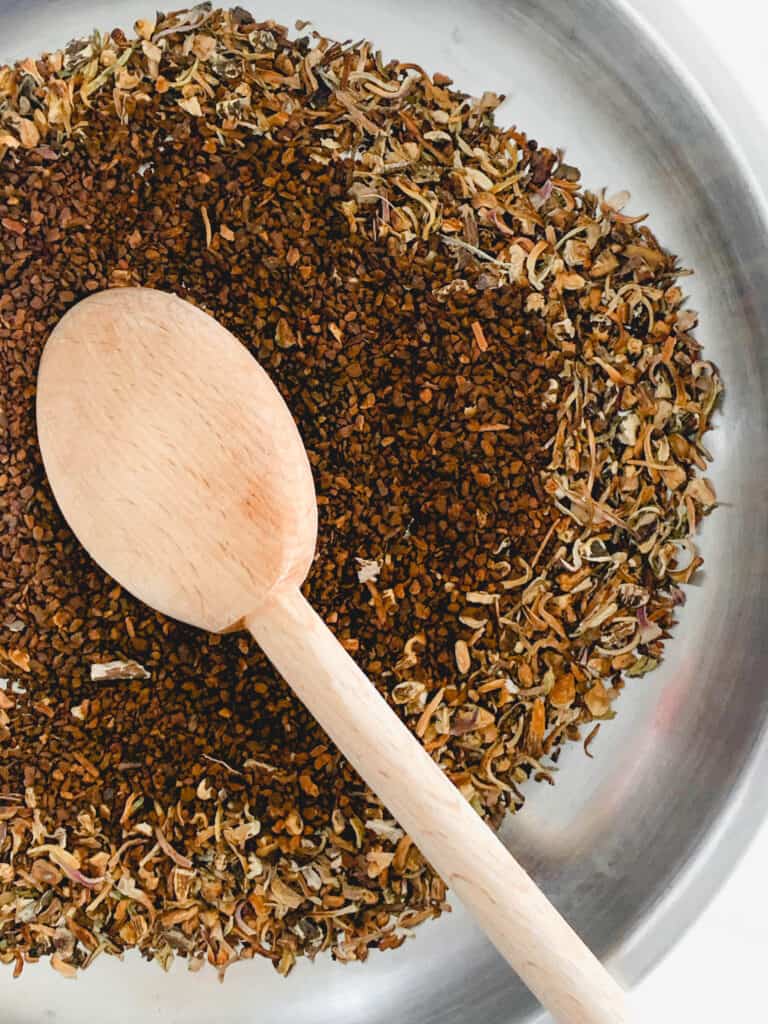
<point>196,808</point>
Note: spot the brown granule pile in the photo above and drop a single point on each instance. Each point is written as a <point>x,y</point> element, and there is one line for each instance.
<point>504,410</point>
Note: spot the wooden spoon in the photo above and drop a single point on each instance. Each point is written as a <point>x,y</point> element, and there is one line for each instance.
<point>179,467</point>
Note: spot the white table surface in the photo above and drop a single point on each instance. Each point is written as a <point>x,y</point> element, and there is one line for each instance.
<point>717,972</point>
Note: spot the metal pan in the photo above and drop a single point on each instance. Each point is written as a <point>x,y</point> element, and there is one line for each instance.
<point>631,845</point>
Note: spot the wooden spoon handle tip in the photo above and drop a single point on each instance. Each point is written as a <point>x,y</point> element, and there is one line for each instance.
<point>517,917</point>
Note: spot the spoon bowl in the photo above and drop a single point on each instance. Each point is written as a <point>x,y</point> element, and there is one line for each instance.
<point>174,458</point>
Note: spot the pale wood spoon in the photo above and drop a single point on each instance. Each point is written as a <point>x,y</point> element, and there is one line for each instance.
<point>179,467</point>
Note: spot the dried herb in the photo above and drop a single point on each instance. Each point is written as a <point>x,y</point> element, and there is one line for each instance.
<point>505,410</point>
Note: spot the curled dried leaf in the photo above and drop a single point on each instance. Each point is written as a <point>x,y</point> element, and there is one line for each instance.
<point>462,655</point>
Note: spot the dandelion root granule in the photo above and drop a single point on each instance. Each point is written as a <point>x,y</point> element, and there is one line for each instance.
<point>504,409</point>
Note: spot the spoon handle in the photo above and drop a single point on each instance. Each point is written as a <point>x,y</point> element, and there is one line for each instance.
<point>516,916</point>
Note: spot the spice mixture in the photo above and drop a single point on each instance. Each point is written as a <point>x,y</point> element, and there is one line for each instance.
<point>504,409</point>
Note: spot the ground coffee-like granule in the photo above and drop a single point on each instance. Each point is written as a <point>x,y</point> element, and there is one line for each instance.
<point>162,788</point>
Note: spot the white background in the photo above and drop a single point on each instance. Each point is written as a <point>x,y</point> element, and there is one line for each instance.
<point>717,973</point>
